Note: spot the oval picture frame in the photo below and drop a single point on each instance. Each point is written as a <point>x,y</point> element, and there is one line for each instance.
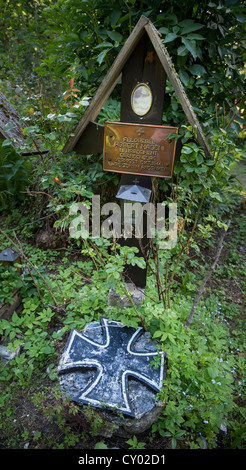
<point>141,99</point>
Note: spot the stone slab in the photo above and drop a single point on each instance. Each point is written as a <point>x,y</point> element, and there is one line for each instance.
<point>108,367</point>
<point>137,295</point>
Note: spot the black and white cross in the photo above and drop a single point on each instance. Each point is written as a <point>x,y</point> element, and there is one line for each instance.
<point>114,360</point>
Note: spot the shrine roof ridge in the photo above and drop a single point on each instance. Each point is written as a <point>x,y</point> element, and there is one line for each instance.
<point>113,76</point>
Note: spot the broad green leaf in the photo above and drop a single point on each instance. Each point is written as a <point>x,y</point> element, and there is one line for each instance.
<point>184,158</point>
<point>115,36</point>
<point>140,263</point>
<point>6,142</point>
<point>186,23</point>
<point>184,77</point>
<point>212,372</point>
<point>70,37</point>
<point>101,445</point>
<point>186,149</point>
<point>171,338</point>
<point>15,318</point>
<point>102,55</point>
<point>170,37</point>
<point>191,27</point>
<point>104,44</point>
<point>173,18</point>
<point>199,159</point>
<point>164,336</point>
<point>197,69</point>
<point>204,88</point>
<point>164,30</point>
<point>209,162</point>
<point>12,334</point>
<point>115,17</point>
<point>241,18</point>
<point>193,146</point>
<point>191,46</point>
<point>157,334</point>
<point>216,196</point>
<point>197,37</point>
<point>190,169</point>
<point>182,51</point>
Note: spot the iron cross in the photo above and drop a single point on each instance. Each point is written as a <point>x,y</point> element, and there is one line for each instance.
<point>115,360</point>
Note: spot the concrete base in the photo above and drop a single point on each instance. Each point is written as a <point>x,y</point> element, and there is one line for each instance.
<point>137,295</point>
<point>6,354</point>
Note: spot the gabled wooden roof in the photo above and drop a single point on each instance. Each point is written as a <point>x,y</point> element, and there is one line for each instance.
<point>114,74</point>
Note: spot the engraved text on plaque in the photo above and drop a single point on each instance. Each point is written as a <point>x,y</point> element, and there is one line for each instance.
<point>139,149</point>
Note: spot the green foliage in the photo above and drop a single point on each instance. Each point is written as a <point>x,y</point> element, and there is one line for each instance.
<point>44,45</point>
<point>198,392</point>
<point>134,444</point>
<point>205,364</point>
<point>14,174</point>
<point>10,280</point>
<point>206,42</point>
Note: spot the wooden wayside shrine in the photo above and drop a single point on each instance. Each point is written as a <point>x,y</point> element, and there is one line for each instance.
<point>138,147</point>
<point>156,65</point>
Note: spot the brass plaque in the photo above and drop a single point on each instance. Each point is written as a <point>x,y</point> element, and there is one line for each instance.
<point>139,149</point>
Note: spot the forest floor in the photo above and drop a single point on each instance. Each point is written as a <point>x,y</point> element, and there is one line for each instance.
<point>35,416</point>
